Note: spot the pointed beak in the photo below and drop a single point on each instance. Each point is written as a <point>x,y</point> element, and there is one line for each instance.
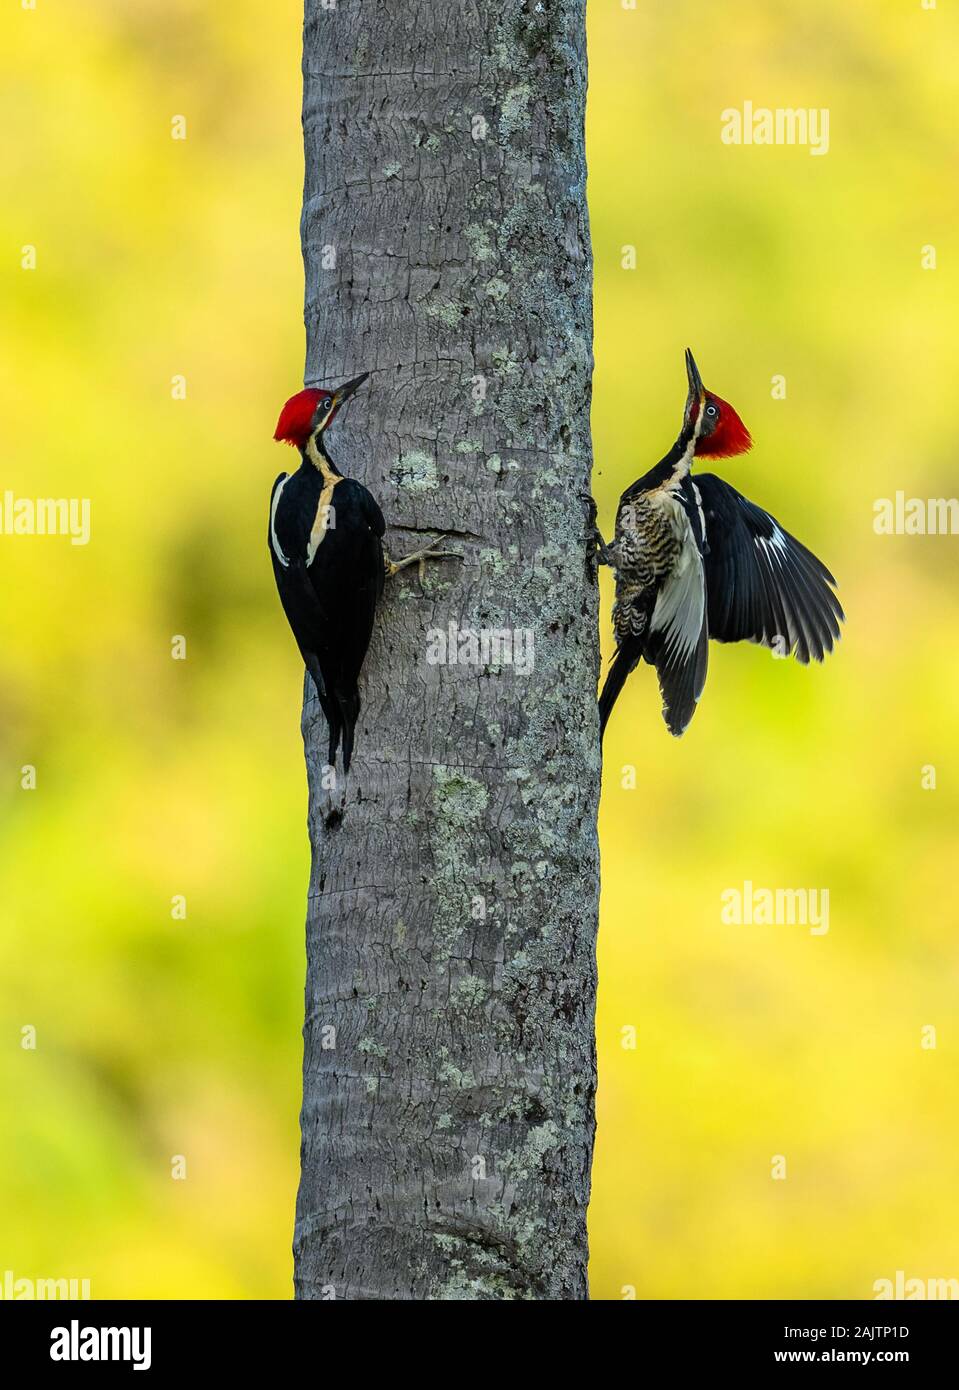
<point>344,392</point>
<point>696,388</point>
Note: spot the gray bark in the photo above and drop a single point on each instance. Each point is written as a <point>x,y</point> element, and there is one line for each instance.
<point>449,1067</point>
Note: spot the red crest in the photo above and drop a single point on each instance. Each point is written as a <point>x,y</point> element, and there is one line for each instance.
<point>296,417</point>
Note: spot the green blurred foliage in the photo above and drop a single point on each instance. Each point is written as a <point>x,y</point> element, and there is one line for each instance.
<point>158,1036</point>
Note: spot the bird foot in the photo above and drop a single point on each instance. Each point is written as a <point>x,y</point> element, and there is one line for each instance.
<point>420,557</point>
<point>602,553</point>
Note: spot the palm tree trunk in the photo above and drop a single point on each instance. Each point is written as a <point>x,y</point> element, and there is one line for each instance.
<point>449,1067</point>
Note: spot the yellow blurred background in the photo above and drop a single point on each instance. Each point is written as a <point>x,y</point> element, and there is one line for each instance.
<point>158,1035</point>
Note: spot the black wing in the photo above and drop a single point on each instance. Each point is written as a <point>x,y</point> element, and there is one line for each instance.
<point>762,585</point>
<point>329,572</point>
<point>347,573</point>
<point>287,539</point>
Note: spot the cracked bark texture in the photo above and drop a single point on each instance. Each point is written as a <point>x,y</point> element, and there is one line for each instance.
<point>449,1067</point>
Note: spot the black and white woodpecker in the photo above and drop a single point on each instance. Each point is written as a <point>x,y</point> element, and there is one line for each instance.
<point>326,543</point>
<point>695,559</point>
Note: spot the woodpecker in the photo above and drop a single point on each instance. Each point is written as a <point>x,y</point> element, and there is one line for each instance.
<point>326,542</point>
<point>695,559</point>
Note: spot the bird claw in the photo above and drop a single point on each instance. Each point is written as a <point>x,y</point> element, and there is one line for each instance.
<point>594,537</point>
<point>420,557</point>
<point>600,552</point>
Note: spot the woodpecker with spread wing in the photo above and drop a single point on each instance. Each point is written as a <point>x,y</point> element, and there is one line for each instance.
<point>695,559</point>
<point>326,542</point>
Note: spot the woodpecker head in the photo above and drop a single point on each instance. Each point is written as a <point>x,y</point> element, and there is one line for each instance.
<point>710,421</point>
<point>309,412</point>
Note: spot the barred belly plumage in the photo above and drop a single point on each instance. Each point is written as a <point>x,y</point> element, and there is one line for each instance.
<point>647,541</point>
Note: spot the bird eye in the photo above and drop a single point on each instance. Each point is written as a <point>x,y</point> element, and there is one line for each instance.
<point>711,410</point>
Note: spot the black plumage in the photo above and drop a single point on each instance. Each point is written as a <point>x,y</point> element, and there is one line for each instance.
<point>330,595</point>
<point>762,585</point>
<point>326,542</point>
<point>694,560</point>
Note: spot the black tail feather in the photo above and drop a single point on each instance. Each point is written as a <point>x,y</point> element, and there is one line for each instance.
<point>348,702</point>
<point>336,730</point>
<point>624,662</point>
<point>681,678</point>
<point>339,697</point>
<point>682,675</point>
<point>329,706</point>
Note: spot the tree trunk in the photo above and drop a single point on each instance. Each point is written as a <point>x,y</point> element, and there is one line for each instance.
<point>449,1067</point>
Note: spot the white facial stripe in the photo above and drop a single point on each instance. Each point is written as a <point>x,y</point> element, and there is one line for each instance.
<point>311,449</point>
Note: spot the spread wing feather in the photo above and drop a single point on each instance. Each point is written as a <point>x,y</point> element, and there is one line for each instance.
<point>762,585</point>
